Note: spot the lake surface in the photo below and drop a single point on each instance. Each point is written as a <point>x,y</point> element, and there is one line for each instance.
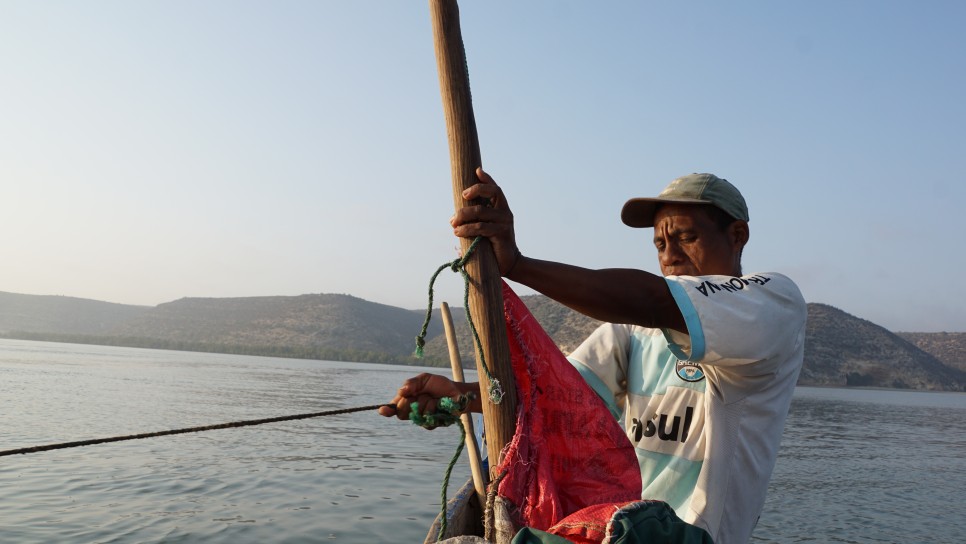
<point>855,465</point>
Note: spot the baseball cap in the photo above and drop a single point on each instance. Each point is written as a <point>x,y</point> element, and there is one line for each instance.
<point>689,189</point>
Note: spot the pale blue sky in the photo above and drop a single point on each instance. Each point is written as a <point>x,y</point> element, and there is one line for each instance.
<point>160,149</point>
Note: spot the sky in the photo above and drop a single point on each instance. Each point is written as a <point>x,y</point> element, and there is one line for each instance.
<point>156,150</point>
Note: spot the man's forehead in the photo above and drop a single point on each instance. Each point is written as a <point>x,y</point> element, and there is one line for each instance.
<point>675,212</point>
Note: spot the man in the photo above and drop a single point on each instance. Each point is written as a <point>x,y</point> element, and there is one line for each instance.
<point>701,363</point>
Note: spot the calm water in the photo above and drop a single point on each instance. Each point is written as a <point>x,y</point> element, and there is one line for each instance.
<point>856,466</point>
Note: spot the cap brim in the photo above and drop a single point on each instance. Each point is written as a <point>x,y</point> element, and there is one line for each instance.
<point>639,212</point>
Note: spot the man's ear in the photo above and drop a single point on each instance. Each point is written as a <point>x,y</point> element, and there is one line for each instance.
<point>738,234</point>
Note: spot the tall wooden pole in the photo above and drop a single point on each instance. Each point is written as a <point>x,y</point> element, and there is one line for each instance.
<point>486,294</point>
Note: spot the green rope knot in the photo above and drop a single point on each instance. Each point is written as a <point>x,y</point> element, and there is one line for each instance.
<point>420,342</point>
<point>459,265</point>
<point>447,412</point>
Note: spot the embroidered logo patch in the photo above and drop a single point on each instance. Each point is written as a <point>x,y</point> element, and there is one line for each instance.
<point>689,372</point>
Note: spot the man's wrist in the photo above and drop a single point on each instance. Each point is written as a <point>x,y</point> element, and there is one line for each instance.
<point>516,260</point>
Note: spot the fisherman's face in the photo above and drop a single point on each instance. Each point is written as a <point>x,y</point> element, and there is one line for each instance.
<point>689,243</point>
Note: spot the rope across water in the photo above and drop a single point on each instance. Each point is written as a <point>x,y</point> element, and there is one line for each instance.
<point>249,422</point>
<point>447,413</point>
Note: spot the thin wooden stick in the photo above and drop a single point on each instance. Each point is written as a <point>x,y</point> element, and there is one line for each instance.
<point>472,448</point>
<point>486,286</point>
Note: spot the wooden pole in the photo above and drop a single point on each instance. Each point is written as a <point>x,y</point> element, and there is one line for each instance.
<point>486,294</point>
<point>472,448</point>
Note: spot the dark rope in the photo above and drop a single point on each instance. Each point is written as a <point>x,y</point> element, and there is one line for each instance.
<point>79,443</point>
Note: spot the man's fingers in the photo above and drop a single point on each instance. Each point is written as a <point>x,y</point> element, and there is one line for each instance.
<point>483,176</point>
<point>485,191</point>
<point>476,214</point>
<point>413,386</point>
<point>402,408</point>
<point>472,230</point>
<point>425,404</point>
<point>425,390</point>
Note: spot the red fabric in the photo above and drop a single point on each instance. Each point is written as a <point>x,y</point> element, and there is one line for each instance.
<point>588,525</point>
<point>568,452</point>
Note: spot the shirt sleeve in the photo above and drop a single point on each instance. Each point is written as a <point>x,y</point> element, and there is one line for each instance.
<point>602,361</point>
<point>734,321</point>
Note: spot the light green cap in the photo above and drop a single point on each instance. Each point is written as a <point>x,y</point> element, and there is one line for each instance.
<point>689,189</point>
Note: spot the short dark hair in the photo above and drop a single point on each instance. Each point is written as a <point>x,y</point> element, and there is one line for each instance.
<point>722,220</point>
<point>719,217</point>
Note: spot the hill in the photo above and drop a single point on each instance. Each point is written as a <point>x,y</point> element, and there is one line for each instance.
<point>63,315</point>
<point>840,349</point>
<point>948,347</point>
<point>324,326</point>
<point>319,326</point>
<point>844,350</point>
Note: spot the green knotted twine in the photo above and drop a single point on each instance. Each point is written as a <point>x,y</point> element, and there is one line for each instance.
<point>447,412</point>
<point>459,265</point>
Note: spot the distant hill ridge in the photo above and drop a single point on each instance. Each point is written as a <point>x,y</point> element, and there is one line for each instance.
<point>840,349</point>
<point>325,321</point>
<point>948,347</point>
<point>60,314</point>
<point>840,346</point>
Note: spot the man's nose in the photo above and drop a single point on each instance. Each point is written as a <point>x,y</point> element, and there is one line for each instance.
<point>671,254</point>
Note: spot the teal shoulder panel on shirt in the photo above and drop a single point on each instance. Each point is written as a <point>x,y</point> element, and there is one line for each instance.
<point>692,321</point>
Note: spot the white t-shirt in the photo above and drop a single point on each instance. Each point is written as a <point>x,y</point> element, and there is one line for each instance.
<point>705,410</point>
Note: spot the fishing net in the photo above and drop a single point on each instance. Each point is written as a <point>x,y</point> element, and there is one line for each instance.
<point>570,474</point>
<point>568,451</point>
